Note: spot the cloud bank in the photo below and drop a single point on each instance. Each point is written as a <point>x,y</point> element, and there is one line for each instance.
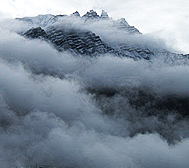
<point>49,116</point>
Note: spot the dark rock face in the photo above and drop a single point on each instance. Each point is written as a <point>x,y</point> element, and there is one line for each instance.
<point>37,32</point>
<point>76,14</point>
<point>91,15</point>
<point>85,42</point>
<point>82,42</point>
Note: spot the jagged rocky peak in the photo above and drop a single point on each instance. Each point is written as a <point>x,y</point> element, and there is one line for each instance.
<point>37,32</point>
<point>91,15</point>
<point>122,22</point>
<point>104,15</point>
<point>75,14</point>
<point>123,25</point>
<point>77,41</point>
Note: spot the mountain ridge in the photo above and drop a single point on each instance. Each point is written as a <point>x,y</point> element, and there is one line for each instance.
<point>49,19</point>
<point>73,33</point>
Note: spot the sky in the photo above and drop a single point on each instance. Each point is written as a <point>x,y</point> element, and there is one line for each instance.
<point>168,20</point>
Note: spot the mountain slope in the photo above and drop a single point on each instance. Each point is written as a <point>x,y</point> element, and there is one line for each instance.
<point>74,33</point>
<point>84,42</point>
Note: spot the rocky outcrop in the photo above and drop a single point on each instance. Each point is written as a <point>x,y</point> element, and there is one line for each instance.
<point>91,15</point>
<point>47,20</point>
<point>123,25</point>
<point>104,15</point>
<point>76,14</point>
<point>82,40</point>
<point>37,32</point>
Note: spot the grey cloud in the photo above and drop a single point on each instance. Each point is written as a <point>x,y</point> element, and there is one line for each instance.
<point>48,116</point>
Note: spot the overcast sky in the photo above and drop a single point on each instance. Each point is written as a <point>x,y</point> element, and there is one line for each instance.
<point>166,19</point>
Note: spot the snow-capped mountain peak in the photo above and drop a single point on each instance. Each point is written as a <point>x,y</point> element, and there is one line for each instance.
<point>76,33</point>
<point>91,15</point>
<point>48,20</point>
<point>104,15</point>
<point>76,13</point>
<point>123,22</point>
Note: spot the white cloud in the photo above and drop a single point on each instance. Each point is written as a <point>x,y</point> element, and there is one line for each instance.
<point>47,120</point>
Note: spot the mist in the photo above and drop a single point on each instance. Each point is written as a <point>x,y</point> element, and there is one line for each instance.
<point>65,110</point>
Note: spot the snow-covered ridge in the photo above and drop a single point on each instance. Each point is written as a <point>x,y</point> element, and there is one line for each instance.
<point>75,33</point>
<point>47,20</point>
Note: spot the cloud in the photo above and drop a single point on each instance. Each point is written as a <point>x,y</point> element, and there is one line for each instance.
<point>48,117</point>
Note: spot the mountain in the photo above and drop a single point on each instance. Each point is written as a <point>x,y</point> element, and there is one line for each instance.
<point>74,33</point>
<point>89,91</point>
<point>48,20</point>
<point>81,42</point>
